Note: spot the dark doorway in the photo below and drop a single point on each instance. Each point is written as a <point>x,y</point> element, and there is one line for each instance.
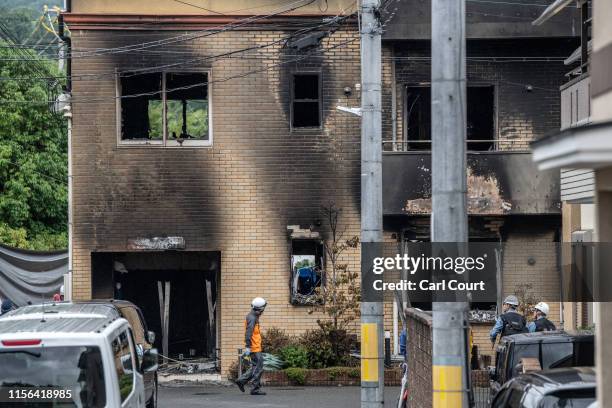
<point>190,276</point>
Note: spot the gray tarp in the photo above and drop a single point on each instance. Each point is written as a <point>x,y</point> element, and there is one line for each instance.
<point>31,275</point>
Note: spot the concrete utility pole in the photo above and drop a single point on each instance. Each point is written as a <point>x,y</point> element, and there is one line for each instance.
<point>372,342</point>
<point>449,216</point>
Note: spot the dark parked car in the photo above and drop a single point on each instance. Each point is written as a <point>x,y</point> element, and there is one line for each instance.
<point>144,339</point>
<point>561,387</point>
<point>549,349</point>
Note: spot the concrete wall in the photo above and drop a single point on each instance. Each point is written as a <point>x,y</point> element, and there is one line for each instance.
<point>236,197</point>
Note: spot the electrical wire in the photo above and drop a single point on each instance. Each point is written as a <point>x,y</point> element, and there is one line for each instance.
<point>195,85</point>
<point>337,20</point>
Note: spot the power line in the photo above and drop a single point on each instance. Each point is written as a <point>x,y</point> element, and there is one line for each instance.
<point>336,20</point>
<point>200,84</point>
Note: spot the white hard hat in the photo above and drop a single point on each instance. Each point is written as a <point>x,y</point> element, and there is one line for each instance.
<point>511,300</point>
<point>259,303</point>
<point>542,307</point>
<point>62,290</point>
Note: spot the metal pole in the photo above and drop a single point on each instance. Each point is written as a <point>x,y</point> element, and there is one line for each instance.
<point>372,340</point>
<point>449,216</point>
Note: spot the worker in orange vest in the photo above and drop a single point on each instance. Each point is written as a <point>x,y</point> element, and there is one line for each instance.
<point>252,340</point>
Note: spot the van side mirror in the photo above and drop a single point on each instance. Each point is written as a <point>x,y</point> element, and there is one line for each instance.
<point>151,337</point>
<point>150,360</point>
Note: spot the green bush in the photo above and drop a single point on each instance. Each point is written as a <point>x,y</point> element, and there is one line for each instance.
<point>328,347</point>
<point>334,372</point>
<point>275,339</point>
<point>295,356</point>
<point>296,375</point>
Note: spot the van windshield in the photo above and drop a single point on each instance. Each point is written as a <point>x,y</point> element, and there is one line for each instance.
<point>75,368</point>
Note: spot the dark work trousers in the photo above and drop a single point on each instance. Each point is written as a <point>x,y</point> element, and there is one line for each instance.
<point>253,374</point>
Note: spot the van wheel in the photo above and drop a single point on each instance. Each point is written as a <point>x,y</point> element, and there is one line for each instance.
<point>152,403</point>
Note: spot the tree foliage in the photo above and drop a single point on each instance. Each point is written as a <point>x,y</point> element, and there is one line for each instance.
<point>33,157</point>
<point>339,298</point>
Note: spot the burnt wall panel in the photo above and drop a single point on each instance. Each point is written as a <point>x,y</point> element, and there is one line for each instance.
<point>498,184</point>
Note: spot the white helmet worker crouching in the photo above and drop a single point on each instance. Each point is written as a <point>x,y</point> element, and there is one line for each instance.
<point>259,304</point>
<point>542,307</point>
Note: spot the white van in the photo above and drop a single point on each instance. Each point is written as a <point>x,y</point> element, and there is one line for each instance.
<point>74,356</point>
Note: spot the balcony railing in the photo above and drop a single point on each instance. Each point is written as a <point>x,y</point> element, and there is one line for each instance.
<point>474,145</point>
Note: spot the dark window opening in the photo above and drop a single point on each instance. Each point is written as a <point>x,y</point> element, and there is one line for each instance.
<point>306,270</point>
<point>306,104</point>
<point>168,107</point>
<point>141,116</point>
<point>480,132</point>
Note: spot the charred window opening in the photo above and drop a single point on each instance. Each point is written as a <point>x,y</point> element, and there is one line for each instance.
<point>480,118</point>
<point>306,100</point>
<point>165,108</point>
<point>141,116</point>
<point>306,270</point>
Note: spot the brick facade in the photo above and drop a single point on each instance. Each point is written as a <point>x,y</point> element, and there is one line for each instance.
<point>236,197</point>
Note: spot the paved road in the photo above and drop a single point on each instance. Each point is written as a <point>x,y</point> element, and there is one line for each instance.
<point>278,397</point>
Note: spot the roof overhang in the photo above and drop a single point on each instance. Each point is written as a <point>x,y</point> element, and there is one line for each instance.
<point>551,10</point>
<point>587,146</point>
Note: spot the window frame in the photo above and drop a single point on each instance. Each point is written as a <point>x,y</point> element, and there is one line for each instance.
<point>165,142</point>
<point>405,141</point>
<point>292,99</point>
<point>320,245</point>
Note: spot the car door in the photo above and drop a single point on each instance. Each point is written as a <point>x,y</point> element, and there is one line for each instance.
<point>134,317</point>
<point>129,380</point>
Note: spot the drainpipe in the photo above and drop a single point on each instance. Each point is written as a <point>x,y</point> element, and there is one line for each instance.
<point>68,116</point>
<point>394,101</point>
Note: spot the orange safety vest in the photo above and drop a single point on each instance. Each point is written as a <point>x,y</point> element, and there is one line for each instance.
<point>255,338</point>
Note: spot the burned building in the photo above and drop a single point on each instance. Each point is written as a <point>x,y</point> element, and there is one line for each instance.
<point>514,70</point>
<point>198,139</point>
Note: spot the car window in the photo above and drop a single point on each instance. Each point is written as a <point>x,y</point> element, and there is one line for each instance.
<point>77,370</point>
<point>557,355</point>
<point>523,351</point>
<point>132,316</point>
<point>584,354</point>
<point>124,364</point>
<point>569,399</point>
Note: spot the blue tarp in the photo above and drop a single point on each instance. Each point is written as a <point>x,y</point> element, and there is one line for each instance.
<point>31,275</point>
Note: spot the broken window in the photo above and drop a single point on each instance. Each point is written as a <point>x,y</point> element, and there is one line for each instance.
<point>170,109</point>
<point>306,269</point>
<point>141,116</point>
<point>480,118</point>
<point>306,100</point>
